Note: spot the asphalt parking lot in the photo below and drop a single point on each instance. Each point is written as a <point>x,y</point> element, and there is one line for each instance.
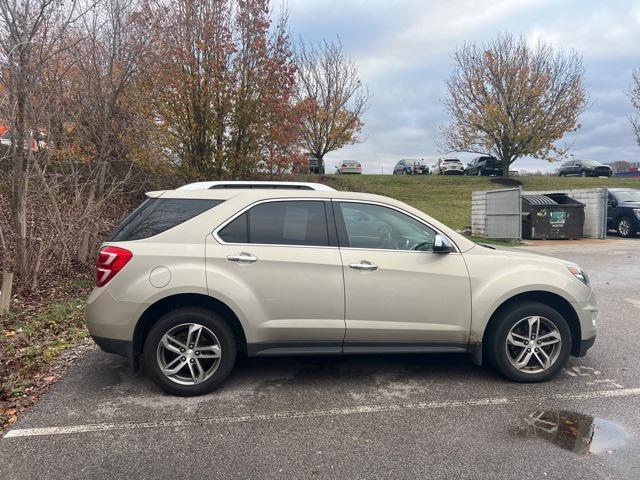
<point>409,416</point>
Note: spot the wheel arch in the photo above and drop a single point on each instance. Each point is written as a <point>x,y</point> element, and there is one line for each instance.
<point>553,300</point>
<point>172,302</point>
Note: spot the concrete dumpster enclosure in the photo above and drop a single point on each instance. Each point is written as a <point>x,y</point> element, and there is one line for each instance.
<point>493,212</point>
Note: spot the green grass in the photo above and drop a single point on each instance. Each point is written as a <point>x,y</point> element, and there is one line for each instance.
<point>29,344</point>
<point>448,199</point>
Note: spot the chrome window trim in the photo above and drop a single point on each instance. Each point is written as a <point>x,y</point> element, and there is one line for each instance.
<point>404,212</point>
<point>268,200</point>
<point>336,200</point>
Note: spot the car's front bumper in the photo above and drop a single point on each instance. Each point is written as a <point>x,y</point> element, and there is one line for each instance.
<point>587,311</point>
<point>580,350</point>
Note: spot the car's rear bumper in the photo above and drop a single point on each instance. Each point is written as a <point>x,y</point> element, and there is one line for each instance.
<point>114,345</point>
<point>108,318</point>
<point>118,347</point>
<point>453,172</point>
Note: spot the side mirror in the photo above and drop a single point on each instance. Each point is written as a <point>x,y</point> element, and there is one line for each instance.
<point>442,244</point>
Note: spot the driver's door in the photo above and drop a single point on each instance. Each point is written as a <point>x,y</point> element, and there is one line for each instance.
<point>397,290</point>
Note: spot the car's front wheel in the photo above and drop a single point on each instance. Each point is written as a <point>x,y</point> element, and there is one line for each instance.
<point>625,227</point>
<point>189,351</point>
<point>530,342</point>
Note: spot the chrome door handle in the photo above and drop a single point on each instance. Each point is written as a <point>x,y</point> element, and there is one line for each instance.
<point>243,258</point>
<point>364,265</point>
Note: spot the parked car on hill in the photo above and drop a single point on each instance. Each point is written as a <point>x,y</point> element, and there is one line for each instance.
<point>584,168</point>
<point>484,166</point>
<point>192,277</point>
<point>448,166</point>
<point>349,166</point>
<point>623,211</point>
<point>411,167</point>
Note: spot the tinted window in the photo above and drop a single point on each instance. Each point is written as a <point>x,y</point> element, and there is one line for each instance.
<point>280,223</point>
<point>156,215</point>
<point>237,231</point>
<point>374,226</point>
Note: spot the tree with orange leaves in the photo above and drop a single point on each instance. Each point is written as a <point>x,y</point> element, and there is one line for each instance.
<point>512,100</point>
<point>222,87</point>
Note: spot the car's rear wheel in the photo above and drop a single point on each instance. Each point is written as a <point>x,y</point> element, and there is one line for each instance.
<point>625,227</point>
<point>530,342</point>
<point>189,351</point>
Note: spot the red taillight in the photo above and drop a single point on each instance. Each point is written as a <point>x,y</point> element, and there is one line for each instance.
<point>110,261</point>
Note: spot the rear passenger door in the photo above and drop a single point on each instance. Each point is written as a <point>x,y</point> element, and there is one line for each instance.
<point>285,266</point>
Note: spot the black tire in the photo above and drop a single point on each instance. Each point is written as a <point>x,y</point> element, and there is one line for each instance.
<point>496,347</point>
<point>206,318</point>
<point>628,231</point>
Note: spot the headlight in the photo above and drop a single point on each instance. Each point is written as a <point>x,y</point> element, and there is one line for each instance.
<point>578,273</point>
<point>637,212</point>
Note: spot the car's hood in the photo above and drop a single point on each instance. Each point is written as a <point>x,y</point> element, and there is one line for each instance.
<point>629,204</point>
<point>516,253</point>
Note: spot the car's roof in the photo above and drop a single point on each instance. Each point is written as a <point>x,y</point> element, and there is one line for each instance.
<point>221,184</point>
<point>238,198</point>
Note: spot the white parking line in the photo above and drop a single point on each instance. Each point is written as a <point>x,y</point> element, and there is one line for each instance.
<point>362,409</point>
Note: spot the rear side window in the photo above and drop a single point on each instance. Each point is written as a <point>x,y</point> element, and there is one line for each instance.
<point>280,223</point>
<point>156,215</point>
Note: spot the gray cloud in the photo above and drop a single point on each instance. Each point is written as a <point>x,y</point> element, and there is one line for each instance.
<point>403,49</point>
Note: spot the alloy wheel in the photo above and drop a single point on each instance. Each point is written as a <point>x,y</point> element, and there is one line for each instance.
<point>533,344</point>
<point>624,227</point>
<point>188,354</point>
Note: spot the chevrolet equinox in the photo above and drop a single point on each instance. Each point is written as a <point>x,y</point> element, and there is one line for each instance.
<point>193,277</point>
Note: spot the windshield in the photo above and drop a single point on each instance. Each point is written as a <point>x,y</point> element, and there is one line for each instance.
<point>628,196</point>
<point>451,160</point>
<point>591,163</point>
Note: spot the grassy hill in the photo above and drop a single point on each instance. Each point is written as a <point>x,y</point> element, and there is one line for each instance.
<point>448,199</point>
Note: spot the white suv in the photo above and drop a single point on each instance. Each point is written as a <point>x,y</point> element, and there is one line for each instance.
<point>192,277</point>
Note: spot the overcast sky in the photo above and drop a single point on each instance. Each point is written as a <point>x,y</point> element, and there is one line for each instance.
<point>403,49</point>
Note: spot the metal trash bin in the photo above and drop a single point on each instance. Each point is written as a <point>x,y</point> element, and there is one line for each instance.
<point>554,216</point>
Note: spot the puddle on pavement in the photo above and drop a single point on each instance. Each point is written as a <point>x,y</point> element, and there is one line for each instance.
<point>576,432</point>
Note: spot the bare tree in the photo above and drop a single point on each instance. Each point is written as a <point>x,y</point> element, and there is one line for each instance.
<point>635,101</point>
<point>509,99</point>
<point>30,33</point>
<point>113,47</point>
<point>329,86</point>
